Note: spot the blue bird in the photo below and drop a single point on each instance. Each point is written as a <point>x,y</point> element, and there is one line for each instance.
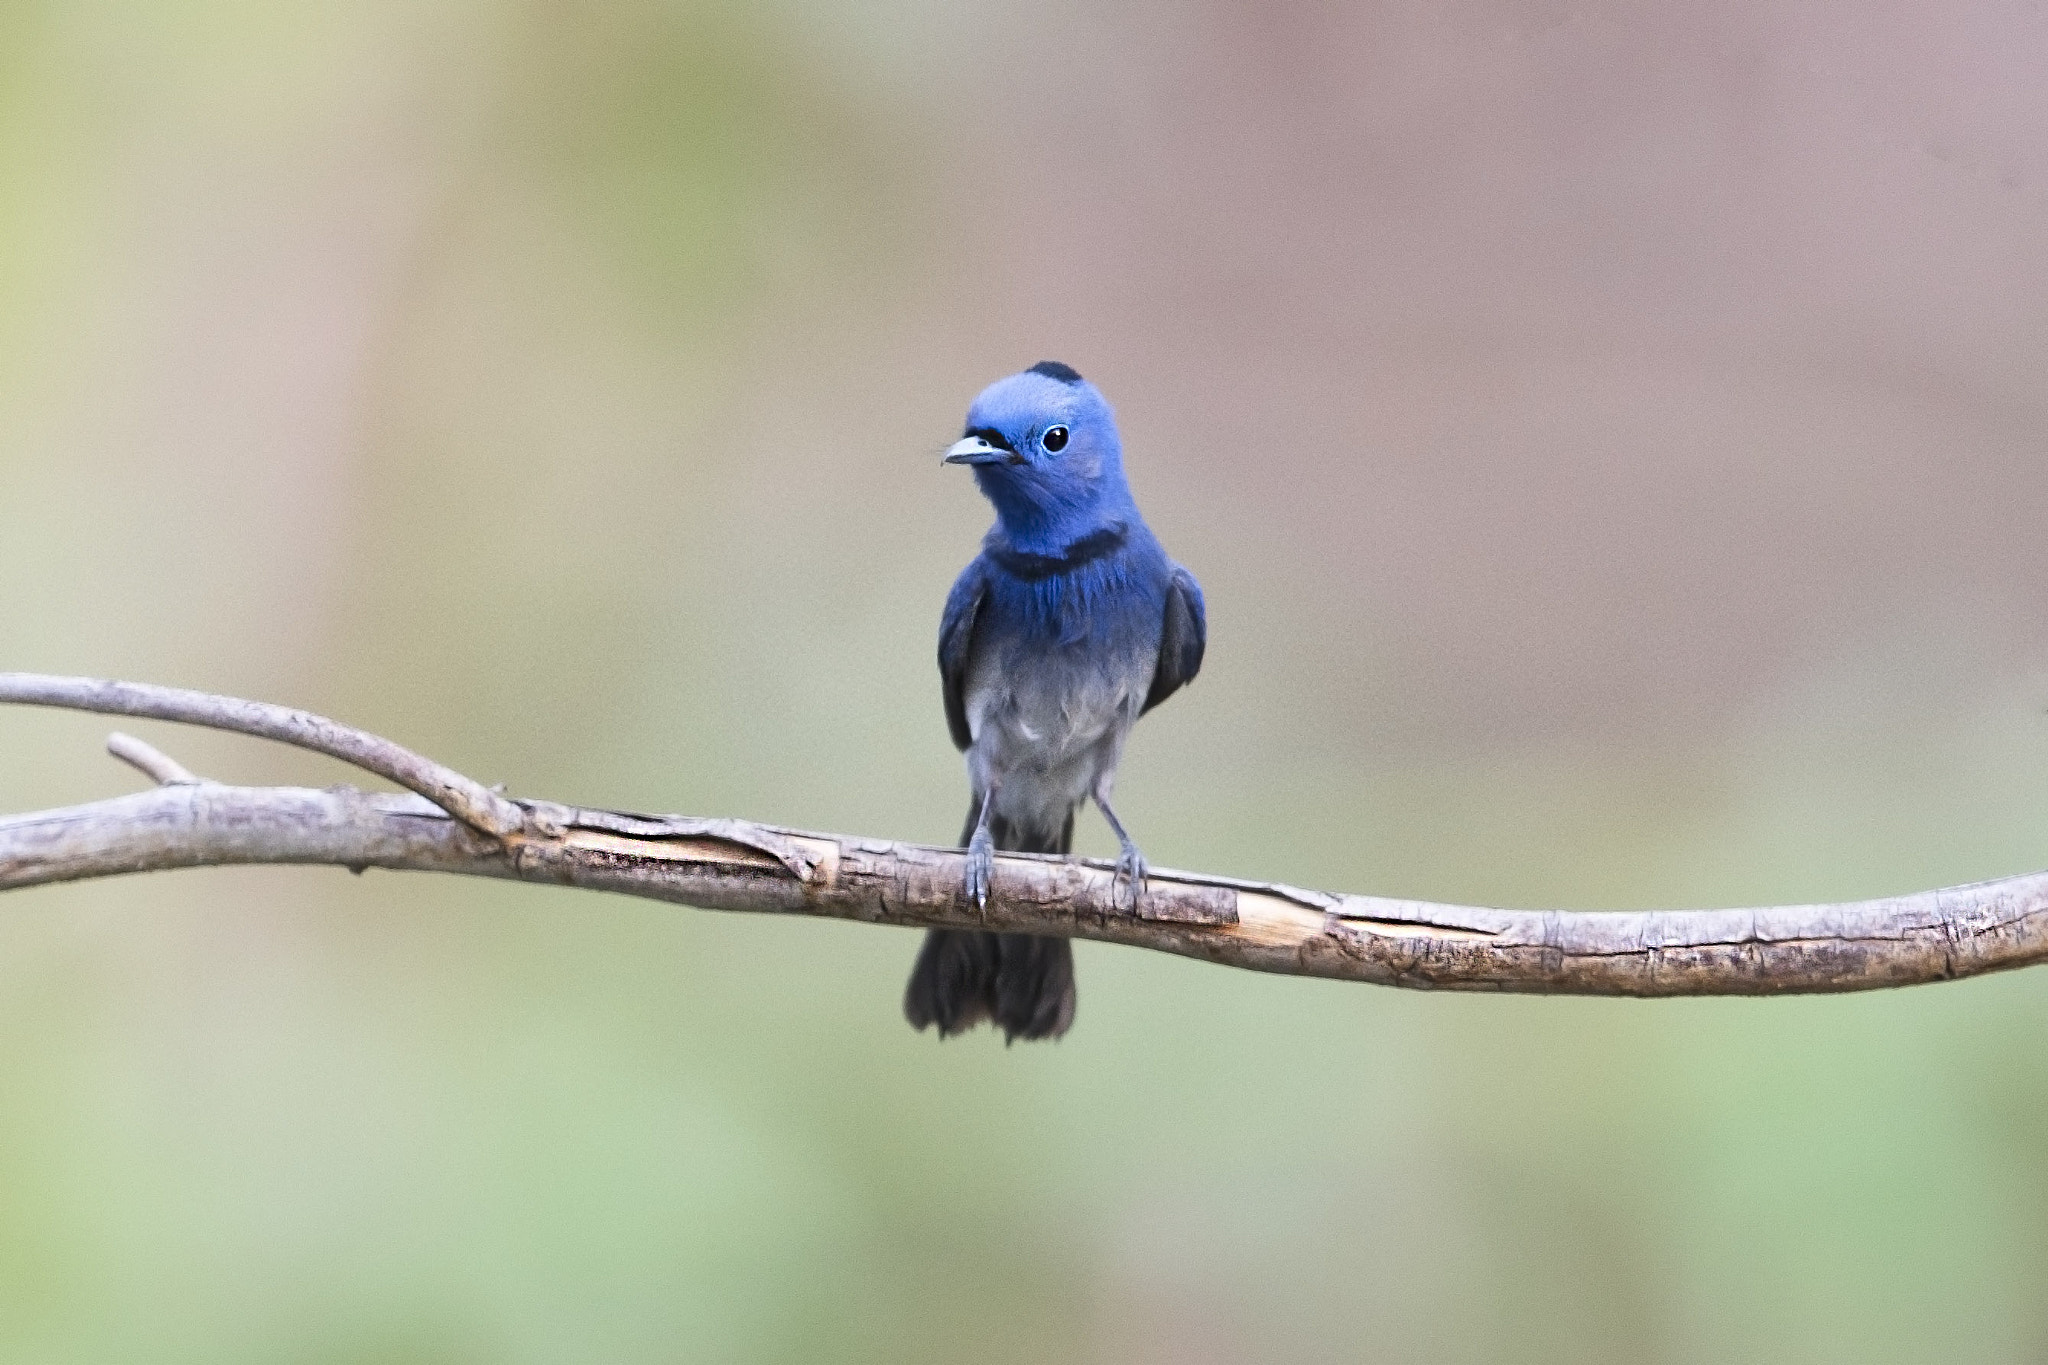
<point>1069,625</point>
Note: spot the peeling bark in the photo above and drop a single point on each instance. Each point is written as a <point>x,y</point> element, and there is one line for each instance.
<point>736,865</point>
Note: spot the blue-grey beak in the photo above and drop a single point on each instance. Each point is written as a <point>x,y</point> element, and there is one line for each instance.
<point>977,450</point>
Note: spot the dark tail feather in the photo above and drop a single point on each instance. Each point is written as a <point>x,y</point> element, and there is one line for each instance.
<point>1024,983</point>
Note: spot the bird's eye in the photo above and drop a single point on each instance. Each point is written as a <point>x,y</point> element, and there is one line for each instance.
<point>1054,440</point>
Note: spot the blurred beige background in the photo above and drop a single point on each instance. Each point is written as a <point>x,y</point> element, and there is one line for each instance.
<point>1610,438</point>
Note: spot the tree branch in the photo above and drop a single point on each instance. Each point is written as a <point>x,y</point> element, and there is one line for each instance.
<point>453,824</point>
<point>151,762</point>
<point>472,804</point>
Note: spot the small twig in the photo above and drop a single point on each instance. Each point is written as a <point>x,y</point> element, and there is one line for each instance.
<point>152,762</point>
<point>468,801</point>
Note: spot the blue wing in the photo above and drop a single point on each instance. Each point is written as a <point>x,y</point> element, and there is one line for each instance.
<point>956,636</point>
<point>1181,641</point>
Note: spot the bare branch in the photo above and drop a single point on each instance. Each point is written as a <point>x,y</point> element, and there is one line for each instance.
<point>474,805</point>
<point>734,865</point>
<point>154,764</point>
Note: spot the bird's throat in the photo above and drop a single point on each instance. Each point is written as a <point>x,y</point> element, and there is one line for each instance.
<point>1031,566</point>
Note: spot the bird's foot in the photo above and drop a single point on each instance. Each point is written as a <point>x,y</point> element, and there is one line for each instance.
<point>1129,879</point>
<point>981,867</point>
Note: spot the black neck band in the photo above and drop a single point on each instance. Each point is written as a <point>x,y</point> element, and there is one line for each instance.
<point>1033,567</point>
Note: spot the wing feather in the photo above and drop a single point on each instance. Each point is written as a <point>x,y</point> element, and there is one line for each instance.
<point>1182,640</point>
<point>956,638</point>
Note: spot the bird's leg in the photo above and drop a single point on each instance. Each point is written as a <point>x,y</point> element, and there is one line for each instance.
<point>1130,864</point>
<point>981,854</point>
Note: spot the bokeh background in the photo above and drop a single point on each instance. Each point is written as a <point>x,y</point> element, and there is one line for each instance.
<point>1611,439</point>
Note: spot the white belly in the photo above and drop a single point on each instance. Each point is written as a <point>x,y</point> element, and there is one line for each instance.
<point>1045,729</point>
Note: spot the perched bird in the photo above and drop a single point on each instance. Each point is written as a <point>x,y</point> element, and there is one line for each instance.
<point>1069,625</point>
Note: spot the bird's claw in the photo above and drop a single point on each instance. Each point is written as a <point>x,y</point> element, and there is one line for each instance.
<point>981,868</point>
<point>1129,881</point>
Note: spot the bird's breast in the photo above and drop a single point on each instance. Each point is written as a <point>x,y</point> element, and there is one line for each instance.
<point>1058,671</point>
<point>1040,707</point>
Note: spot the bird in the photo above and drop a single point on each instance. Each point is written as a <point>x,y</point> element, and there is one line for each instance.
<point>1070,624</point>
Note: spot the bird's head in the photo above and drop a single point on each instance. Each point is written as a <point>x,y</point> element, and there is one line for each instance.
<point>1044,448</point>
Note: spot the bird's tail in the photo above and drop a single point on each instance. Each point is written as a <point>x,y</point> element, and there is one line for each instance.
<point>1023,983</point>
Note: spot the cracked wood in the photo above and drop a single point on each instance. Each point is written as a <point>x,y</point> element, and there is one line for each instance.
<point>737,865</point>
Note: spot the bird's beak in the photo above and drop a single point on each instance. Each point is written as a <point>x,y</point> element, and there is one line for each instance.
<point>977,450</point>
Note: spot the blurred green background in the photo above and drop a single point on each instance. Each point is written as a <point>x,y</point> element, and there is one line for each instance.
<point>1610,437</point>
